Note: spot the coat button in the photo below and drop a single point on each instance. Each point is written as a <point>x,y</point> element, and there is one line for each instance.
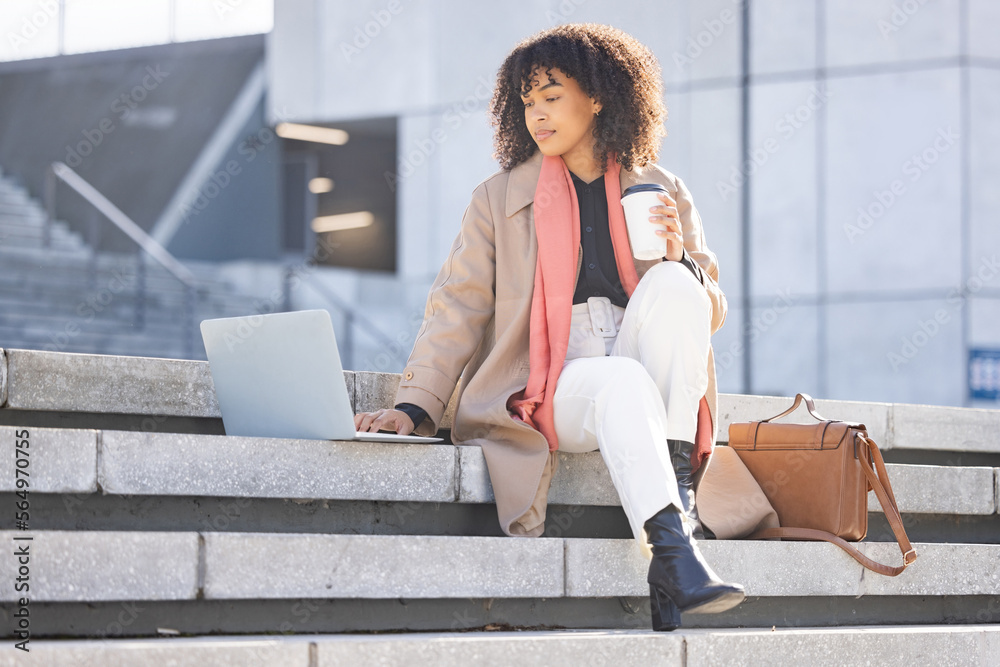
<point>409,375</point>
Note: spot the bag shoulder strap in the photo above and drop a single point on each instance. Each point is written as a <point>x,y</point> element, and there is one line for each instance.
<point>867,449</point>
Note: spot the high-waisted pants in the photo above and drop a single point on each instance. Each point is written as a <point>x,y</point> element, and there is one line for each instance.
<point>633,378</point>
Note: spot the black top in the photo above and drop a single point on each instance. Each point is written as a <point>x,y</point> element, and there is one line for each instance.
<point>599,270</point>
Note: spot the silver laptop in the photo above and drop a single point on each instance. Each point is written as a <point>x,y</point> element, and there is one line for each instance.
<point>280,376</point>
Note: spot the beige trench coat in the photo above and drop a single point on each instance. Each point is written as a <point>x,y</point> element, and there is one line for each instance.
<point>476,326</point>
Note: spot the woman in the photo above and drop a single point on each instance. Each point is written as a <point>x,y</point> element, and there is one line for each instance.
<point>567,342</point>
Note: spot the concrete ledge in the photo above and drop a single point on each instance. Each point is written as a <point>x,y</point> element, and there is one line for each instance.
<point>179,464</point>
<point>375,391</point>
<point>474,485</point>
<point>890,425</point>
<point>173,651</point>
<point>59,460</point>
<point>212,465</point>
<point>889,645</point>
<point>923,489</point>
<point>952,645</point>
<point>940,569</point>
<point>946,429</point>
<point>525,649</point>
<point>66,382</point>
<point>142,385</point>
<point>601,568</point>
<point>97,383</point>
<point>241,566</point>
<point>582,479</point>
<point>74,566</point>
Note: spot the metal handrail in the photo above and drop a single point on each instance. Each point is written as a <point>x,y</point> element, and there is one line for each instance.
<point>115,215</point>
<point>351,317</point>
<point>146,243</point>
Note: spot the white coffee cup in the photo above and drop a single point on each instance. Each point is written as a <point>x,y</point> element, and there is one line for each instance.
<point>636,202</point>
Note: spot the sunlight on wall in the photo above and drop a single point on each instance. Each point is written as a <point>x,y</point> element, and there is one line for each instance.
<point>42,28</point>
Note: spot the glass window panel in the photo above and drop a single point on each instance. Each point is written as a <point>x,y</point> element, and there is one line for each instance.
<point>98,25</point>
<point>198,19</point>
<point>29,29</point>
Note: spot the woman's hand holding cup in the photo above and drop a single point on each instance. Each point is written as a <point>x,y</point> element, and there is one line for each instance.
<point>389,420</point>
<point>665,214</point>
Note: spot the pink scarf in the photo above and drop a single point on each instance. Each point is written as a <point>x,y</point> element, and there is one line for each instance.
<point>557,218</point>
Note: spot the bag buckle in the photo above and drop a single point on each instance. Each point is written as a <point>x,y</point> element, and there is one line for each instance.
<point>910,556</point>
<point>602,316</point>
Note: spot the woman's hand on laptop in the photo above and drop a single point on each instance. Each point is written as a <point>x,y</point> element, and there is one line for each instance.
<point>384,420</point>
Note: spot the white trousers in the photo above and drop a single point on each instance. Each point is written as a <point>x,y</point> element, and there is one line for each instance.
<point>633,378</point>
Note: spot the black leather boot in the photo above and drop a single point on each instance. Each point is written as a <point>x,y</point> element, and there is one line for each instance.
<point>666,615</point>
<point>679,573</point>
<point>680,456</point>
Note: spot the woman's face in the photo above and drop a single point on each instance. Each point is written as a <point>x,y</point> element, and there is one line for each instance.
<point>560,116</point>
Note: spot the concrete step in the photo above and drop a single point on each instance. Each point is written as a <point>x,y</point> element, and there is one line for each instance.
<point>27,263</point>
<point>94,383</point>
<point>15,199</point>
<point>15,313</point>
<point>30,222</point>
<point>126,463</point>
<point>72,299</point>
<point>20,238</point>
<point>126,346</point>
<point>96,310</point>
<point>44,327</point>
<point>95,566</point>
<point>16,243</point>
<point>71,287</point>
<point>41,257</point>
<point>883,645</point>
<point>22,214</point>
<point>122,338</point>
<point>80,279</point>
<point>71,383</point>
<point>110,262</point>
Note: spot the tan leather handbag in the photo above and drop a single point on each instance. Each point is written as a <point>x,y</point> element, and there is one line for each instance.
<point>817,478</point>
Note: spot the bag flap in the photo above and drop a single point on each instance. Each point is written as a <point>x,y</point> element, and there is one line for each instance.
<point>770,436</point>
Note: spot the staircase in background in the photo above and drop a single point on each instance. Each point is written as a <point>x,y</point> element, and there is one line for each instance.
<point>65,297</point>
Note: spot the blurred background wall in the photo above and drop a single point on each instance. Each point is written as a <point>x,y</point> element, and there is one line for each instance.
<point>842,155</point>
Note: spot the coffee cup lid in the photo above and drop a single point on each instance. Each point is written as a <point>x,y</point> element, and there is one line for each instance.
<point>644,187</point>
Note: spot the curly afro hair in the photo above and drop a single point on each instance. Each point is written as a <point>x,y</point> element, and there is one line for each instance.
<point>608,65</point>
